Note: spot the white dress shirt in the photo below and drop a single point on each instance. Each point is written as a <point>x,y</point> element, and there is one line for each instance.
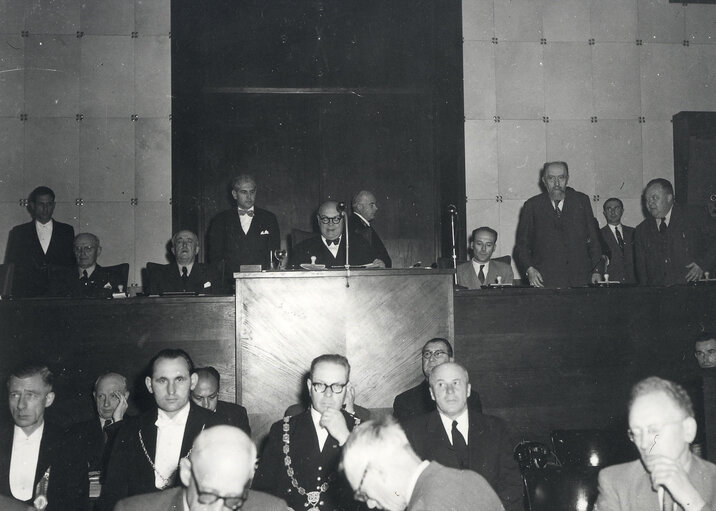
<point>170,434</point>
<point>463,424</point>
<point>321,432</point>
<point>332,248</point>
<point>23,462</point>
<point>89,270</point>
<point>245,220</point>
<point>613,228</point>
<point>44,234</point>
<point>668,219</point>
<point>188,267</point>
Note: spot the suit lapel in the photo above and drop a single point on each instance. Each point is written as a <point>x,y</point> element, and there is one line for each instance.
<point>194,426</point>
<point>149,433</point>
<point>48,445</point>
<point>6,449</point>
<point>436,429</point>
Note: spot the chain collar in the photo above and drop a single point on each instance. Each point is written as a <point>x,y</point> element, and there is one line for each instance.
<point>167,481</point>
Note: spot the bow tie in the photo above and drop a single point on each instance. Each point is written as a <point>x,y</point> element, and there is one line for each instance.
<point>333,242</point>
<point>243,212</point>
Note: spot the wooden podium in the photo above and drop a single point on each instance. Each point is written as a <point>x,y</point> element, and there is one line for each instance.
<point>378,319</point>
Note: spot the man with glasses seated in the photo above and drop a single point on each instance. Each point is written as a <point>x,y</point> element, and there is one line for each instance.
<point>329,248</point>
<point>417,401</point>
<point>216,475</point>
<point>668,477</point>
<point>300,460</point>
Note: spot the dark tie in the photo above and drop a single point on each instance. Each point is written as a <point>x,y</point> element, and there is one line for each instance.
<point>460,446</point>
<point>620,240</point>
<point>333,242</point>
<point>663,226</point>
<point>184,277</point>
<point>84,278</point>
<point>556,208</point>
<point>243,212</point>
<point>104,428</point>
<point>481,274</point>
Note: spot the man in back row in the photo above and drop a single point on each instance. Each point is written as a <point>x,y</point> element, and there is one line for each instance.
<point>482,270</point>
<point>365,207</point>
<point>206,395</point>
<point>619,239</point>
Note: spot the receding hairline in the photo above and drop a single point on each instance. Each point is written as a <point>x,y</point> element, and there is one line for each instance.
<point>362,196</point>
<point>93,237</point>
<point>185,231</point>
<point>448,365</point>
<point>242,178</point>
<point>325,205</point>
<point>110,375</point>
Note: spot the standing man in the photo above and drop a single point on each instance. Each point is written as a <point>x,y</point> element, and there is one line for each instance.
<point>620,240</point>
<point>557,241</point>
<point>35,246</point>
<point>669,247</point>
<point>300,461</point>
<point>185,274</point>
<point>458,437</point>
<point>38,464</point>
<point>364,209</point>
<point>147,450</point>
<point>206,395</point>
<point>330,247</point>
<point>246,235</point>
<point>482,271</point>
<point>705,350</point>
<point>668,476</point>
<point>215,475</point>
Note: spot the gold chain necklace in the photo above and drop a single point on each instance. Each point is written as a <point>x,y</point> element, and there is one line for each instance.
<point>167,481</point>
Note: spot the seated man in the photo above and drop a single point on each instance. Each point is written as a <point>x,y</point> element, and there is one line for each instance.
<point>482,271</point>
<point>184,275</point>
<point>206,395</point>
<point>458,437</point>
<point>387,474</point>
<point>300,460</point>
<point>330,247</point>
<point>348,405</point>
<point>147,450</point>
<point>418,401</point>
<point>668,476</point>
<point>38,463</point>
<point>96,435</point>
<point>87,279</point>
<point>705,350</point>
<point>364,208</point>
<point>218,469</point>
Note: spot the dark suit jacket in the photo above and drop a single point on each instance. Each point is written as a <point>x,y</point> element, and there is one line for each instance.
<point>228,242</point>
<point>65,281</point>
<point>129,472</point>
<point>31,263</point>
<point>563,249</point>
<point>10,504</point>
<point>360,252</point>
<point>312,467</point>
<point>627,487</point>
<point>166,278</point>
<point>173,500</point>
<point>441,488</point>
<point>357,227</point>
<point>417,401</point>
<point>91,445</point>
<point>467,277</point>
<point>235,415</point>
<point>490,451</point>
<point>621,264</point>
<point>68,486</point>
<point>661,259</point>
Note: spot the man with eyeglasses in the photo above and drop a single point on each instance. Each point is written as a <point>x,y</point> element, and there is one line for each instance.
<point>300,460</point>
<point>329,248</point>
<point>215,476</point>
<point>206,395</point>
<point>668,477</point>
<point>619,239</point>
<point>456,436</point>
<point>417,400</point>
<point>387,474</point>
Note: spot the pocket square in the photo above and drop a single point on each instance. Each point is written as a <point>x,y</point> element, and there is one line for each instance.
<point>207,284</point>
<point>107,286</point>
<point>265,231</point>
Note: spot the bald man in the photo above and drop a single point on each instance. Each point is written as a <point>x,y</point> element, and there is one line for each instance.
<point>215,475</point>
<point>365,206</point>
<point>87,279</point>
<point>329,248</point>
<point>184,275</point>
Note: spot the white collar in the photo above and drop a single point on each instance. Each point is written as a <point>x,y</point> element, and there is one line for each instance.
<point>362,218</point>
<point>316,417</point>
<point>478,264</point>
<point>462,420</point>
<point>188,268</point>
<point>414,479</point>
<point>35,436</point>
<point>178,420</point>
<point>89,270</point>
<point>325,241</point>
<point>242,209</point>
<point>47,226</point>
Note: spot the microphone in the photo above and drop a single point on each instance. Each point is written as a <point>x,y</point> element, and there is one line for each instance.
<point>341,207</point>
<point>452,209</point>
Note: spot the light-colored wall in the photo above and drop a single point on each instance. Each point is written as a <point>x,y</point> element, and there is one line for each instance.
<point>107,61</point>
<point>570,61</point>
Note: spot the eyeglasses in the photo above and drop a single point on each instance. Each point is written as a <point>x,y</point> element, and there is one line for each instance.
<point>85,248</point>
<point>321,387</point>
<point>206,497</point>
<point>652,430</point>
<point>330,219</point>
<point>427,355</point>
<point>359,494</point>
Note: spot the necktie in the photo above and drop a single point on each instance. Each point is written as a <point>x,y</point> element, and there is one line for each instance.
<point>556,208</point>
<point>184,276</point>
<point>243,212</point>
<point>333,242</point>
<point>481,274</point>
<point>620,240</point>
<point>460,446</point>
<point>104,429</point>
<point>663,226</point>
<point>84,278</point>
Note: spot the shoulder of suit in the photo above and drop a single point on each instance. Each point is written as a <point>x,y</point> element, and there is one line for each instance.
<point>261,211</point>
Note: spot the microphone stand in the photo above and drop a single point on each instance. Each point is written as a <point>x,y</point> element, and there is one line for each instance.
<point>348,245</point>
<point>452,213</point>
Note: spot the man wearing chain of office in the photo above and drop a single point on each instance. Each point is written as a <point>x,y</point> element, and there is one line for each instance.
<point>300,461</point>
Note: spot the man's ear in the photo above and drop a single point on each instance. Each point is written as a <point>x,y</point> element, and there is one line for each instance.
<point>194,380</point>
<point>94,395</point>
<point>49,399</point>
<point>99,251</point>
<point>148,383</point>
<point>690,428</point>
<point>126,394</point>
<point>185,471</point>
<point>432,394</point>
<point>308,385</point>
<point>234,194</point>
<point>469,389</point>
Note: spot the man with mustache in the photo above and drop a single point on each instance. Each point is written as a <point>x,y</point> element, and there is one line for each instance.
<point>557,241</point>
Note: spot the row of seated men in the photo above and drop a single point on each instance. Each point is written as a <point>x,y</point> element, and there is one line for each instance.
<point>558,243</point>
<point>444,455</point>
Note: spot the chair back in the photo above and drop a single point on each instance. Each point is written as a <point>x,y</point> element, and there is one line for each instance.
<point>122,270</point>
<point>561,488</point>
